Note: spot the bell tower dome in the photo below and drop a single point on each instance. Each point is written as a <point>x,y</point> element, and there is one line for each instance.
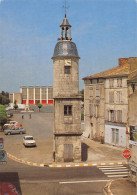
<point>65,64</point>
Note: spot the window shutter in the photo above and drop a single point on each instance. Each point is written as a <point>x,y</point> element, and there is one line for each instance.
<point>91,91</point>
<point>97,91</point>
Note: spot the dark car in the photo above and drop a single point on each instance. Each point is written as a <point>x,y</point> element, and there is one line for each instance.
<point>10,114</point>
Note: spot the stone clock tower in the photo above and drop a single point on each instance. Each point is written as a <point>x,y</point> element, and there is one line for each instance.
<point>67,101</point>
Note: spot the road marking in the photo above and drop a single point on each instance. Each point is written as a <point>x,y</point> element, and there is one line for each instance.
<point>117,175</point>
<point>111,166</point>
<point>115,170</point>
<point>91,181</point>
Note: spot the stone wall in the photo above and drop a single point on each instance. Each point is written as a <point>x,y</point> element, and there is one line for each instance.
<point>67,124</point>
<point>65,84</point>
<point>59,147</point>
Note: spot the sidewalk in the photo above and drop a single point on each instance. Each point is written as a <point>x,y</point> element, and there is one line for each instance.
<point>121,187</point>
<point>94,151</point>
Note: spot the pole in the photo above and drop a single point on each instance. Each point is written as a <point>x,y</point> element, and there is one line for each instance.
<point>128,167</point>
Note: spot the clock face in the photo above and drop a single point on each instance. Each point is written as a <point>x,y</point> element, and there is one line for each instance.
<point>68,62</point>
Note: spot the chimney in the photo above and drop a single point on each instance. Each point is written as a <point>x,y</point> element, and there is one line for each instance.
<point>123,61</point>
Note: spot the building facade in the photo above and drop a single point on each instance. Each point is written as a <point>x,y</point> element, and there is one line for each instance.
<point>107,118</point>
<point>132,117</point>
<point>33,95</point>
<point>67,102</point>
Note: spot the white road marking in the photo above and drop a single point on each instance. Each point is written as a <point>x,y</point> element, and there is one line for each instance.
<point>117,175</point>
<point>110,166</point>
<point>91,181</point>
<point>114,170</point>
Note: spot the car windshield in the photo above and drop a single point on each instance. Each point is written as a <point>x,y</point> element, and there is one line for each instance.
<point>29,138</point>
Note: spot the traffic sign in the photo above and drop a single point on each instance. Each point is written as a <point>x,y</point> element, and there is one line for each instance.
<point>1,143</point>
<point>126,153</point>
<point>3,154</point>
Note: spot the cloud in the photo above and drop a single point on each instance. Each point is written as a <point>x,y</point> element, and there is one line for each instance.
<point>1,1</point>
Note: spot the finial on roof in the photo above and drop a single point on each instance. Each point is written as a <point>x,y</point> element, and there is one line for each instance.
<point>65,7</point>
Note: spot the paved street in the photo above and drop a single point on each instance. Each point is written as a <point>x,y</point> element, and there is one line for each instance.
<point>55,181</point>
<point>50,181</point>
<point>41,127</point>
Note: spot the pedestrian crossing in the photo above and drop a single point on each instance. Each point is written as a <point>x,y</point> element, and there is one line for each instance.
<point>116,171</point>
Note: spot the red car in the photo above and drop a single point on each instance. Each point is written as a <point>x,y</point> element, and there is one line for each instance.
<point>8,188</point>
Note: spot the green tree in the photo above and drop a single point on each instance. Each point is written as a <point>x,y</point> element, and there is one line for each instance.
<point>82,94</point>
<point>3,116</point>
<point>39,106</point>
<point>4,98</point>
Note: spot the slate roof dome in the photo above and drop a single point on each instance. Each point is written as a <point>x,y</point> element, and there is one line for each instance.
<point>65,49</point>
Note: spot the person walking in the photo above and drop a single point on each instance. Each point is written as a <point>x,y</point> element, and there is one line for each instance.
<point>22,116</point>
<point>30,116</point>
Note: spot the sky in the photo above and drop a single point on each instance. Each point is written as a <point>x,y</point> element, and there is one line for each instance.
<point>103,30</point>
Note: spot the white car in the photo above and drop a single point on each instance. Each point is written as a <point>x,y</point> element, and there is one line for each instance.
<point>29,141</point>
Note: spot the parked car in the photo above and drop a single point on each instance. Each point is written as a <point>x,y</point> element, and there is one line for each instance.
<point>10,114</point>
<point>14,130</point>
<point>29,141</point>
<point>8,188</point>
<point>7,126</point>
<point>15,123</point>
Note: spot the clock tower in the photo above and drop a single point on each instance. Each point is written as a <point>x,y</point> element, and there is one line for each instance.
<point>67,101</point>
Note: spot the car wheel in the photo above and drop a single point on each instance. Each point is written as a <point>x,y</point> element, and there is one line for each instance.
<point>9,133</point>
<point>20,132</point>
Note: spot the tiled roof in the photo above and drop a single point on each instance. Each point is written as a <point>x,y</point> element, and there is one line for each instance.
<point>118,71</point>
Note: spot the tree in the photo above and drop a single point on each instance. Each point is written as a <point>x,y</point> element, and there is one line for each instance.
<point>15,105</point>
<point>3,115</point>
<point>39,106</point>
<point>4,98</point>
<point>82,94</point>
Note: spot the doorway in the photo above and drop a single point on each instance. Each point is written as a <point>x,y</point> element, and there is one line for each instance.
<point>68,152</point>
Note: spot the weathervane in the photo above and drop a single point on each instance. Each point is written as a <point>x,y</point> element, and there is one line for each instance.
<point>65,8</point>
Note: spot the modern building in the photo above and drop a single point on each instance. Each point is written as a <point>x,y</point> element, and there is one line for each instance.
<point>33,94</point>
<point>106,104</point>
<point>67,102</point>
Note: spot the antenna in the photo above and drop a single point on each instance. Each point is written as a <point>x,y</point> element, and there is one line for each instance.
<point>65,7</point>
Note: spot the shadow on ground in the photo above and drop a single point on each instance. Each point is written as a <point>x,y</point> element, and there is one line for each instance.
<point>84,151</point>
